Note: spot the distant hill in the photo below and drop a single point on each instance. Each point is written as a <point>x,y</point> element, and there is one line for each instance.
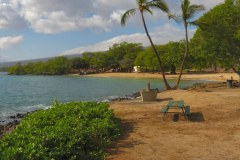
<point>8,64</point>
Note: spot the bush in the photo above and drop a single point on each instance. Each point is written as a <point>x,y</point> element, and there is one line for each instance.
<point>77,130</point>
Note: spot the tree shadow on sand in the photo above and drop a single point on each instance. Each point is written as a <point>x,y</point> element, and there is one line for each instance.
<point>164,99</point>
<point>127,128</point>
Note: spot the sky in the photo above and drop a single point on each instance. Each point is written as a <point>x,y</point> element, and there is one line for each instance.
<point>31,29</point>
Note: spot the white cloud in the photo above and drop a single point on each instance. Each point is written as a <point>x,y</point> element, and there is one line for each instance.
<point>160,35</point>
<point>104,45</point>
<point>9,18</point>
<point>207,3</point>
<point>174,5</point>
<point>56,16</point>
<point>8,42</point>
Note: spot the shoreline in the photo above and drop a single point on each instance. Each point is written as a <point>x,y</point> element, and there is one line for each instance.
<point>8,123</point>
<point>222,77</point>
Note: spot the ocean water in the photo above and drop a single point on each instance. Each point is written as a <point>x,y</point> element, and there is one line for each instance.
<point>28,93</point>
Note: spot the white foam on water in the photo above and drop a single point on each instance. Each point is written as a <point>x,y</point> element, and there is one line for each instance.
<point>22,109</point>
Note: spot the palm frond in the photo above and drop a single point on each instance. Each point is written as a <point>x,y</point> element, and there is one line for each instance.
<point>188,11</point>
<point>160,4</point>
<point>126,15</point>
<point>141,1</point>
<point>185,9</point>
<point>200,24</point>
<point>145,8</point>
<point>195,8</point>
<point>174,17</point>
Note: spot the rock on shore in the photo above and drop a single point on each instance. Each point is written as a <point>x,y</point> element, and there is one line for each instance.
<point>9,123</point>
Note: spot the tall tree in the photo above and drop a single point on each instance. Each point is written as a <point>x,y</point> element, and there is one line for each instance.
<point>172,54</point>
<point>188,12</point>
<point>78,63</point>
<point>147,60</point>
<point>146,6</point>
<point>221,39</point>
<point>124,54</point>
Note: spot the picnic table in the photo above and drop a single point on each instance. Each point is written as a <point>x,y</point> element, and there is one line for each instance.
<point>176,104</point>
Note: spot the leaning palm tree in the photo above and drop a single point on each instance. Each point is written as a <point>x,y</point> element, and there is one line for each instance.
<point>146,6</point>
<point>188,12</point>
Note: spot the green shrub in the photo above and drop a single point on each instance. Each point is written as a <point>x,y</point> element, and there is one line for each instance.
<point>77,130</point>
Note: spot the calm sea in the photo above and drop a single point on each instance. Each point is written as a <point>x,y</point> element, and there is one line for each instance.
<point>28,93</point>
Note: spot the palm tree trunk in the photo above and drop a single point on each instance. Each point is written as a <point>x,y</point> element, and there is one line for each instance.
<point>167,86</point>
<point>185,56</point>
<point>238,73</point>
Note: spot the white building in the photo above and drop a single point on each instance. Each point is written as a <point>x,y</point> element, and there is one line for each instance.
<point>136,69</point>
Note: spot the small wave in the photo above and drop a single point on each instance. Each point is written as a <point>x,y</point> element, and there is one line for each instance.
<point>6,116</point>
<point>115,97</point>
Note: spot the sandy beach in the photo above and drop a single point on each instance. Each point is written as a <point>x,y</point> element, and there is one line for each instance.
<point>202,76</point>
<point>212,131</point>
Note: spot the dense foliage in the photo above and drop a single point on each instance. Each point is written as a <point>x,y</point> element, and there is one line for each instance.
<point>218,44</point>
<point>77,130</point>
<point>171,54</point>
<point>56,66</point>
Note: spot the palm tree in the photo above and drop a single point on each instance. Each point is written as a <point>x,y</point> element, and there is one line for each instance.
<point>188,12</point>
<point>145,6</point>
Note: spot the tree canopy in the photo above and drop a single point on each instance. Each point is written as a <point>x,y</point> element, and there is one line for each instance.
<point>219,43</point>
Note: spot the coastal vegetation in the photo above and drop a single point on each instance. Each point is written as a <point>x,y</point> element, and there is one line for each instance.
<point>56,66</point>
<point>120,57</point>
<point>76,130</point>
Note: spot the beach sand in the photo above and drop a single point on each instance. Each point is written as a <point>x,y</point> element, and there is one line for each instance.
<point>212,132</point>
<point>202,76</point>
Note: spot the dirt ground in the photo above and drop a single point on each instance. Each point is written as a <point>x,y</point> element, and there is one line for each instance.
<point>212,131</point>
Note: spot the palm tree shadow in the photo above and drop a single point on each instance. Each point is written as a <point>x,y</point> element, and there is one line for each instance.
<point>164,99</point>
<point>127,127</point>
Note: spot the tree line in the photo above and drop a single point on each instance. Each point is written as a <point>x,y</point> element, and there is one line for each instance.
<point>119,58</point>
